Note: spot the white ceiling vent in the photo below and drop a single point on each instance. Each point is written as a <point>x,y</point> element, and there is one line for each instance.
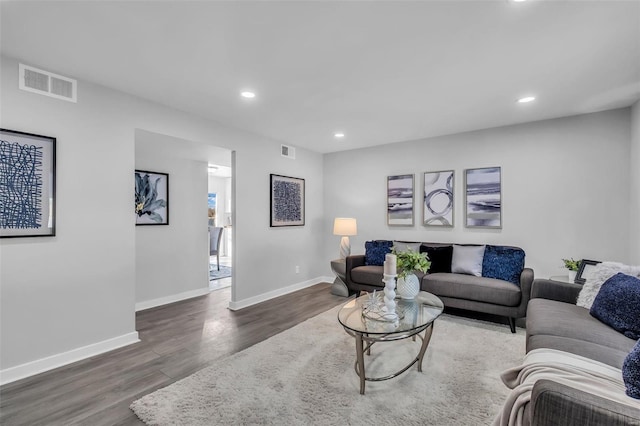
<point>47,83</point>
<point>288,151</point>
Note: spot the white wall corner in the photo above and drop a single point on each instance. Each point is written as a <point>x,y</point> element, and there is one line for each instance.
<point>234,306</point>
<point>38,366</point>
<point>148,304</point>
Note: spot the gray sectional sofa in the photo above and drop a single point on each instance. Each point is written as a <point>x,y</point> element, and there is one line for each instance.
<point>480,294</point>
<point>555,322</point>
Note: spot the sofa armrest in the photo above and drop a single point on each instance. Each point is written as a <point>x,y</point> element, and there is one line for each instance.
<point>526,281</point>
<point>553,403</point>
<point>353,261</point>
<point>555,290</point>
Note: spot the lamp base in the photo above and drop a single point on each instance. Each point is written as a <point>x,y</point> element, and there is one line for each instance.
<point>345,247</point>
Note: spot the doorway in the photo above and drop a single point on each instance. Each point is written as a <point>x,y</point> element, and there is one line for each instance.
<point>219,198</point>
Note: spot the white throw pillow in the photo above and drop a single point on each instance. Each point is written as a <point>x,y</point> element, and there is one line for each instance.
<point>600,273</point>
<point>467,260</point>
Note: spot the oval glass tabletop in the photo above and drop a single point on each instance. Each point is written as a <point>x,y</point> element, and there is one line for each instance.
<point>414,314</point>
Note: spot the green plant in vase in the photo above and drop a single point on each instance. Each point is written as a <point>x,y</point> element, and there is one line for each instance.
<point>408,262</point>
<point>571,264</point>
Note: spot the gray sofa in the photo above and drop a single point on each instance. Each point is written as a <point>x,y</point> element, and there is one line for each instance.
<point>554,321</point>
<point>480,294</point>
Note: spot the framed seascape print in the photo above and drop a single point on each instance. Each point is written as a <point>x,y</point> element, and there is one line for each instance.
<point>400,200</point>
<point>27,185</point>
<point>152,198</point>
<point>287,201</point>
<point>483,197</point>
<point>438,198</point>
<point>585,270</point>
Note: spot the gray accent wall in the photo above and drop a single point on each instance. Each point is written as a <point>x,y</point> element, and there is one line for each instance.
<point>565,188</point>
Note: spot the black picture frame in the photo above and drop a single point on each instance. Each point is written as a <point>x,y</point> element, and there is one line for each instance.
<point>584,270</point>
<point>28,174</point>
<point>287,202</point>
<point>151,203</point>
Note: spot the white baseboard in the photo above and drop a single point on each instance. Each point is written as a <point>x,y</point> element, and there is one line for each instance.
<point>21,371</point>
<point>234,306</point>
<point>148,304</point>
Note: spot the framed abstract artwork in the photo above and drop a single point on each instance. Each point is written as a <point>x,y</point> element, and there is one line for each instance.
<point>152,198</point>
<point>438,198</point>
<point>483,197</point>
<point>400,200</point>
<point>287,201</point>
<point>27,185</point>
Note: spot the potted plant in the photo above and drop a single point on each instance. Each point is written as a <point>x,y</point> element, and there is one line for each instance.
<point>573,266</point>
<point>409,261</point>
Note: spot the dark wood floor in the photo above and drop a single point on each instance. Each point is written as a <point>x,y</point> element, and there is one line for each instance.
<point>176,341</point>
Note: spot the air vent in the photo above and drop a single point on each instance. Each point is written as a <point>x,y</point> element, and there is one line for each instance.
<point>46,83</point>
<point>288,151</point>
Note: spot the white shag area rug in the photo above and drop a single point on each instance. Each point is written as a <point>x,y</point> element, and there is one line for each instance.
<point>305,376</point>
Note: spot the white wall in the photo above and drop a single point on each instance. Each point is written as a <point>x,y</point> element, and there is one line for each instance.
<point>565,188</point>
<point>634,165</point>
<point>173,261</point>
<point>78,288</point>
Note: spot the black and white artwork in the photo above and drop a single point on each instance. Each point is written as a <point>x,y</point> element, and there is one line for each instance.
<point>27,184</point>
<point>400,200</point>
<point>438,198</point>
<point>287,201</point>
<point>483,197</point>
<point>152,198</point>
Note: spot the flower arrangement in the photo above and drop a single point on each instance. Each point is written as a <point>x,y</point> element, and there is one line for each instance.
<point>410,261</point>
<point>571,264</point>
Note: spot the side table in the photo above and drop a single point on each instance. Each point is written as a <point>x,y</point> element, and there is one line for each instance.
<point>339,288</point>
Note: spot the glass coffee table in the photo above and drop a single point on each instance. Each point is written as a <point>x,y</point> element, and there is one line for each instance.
<point>414,317</point>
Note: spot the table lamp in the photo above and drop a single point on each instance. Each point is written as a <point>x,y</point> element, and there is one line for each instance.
<point>345,227</point>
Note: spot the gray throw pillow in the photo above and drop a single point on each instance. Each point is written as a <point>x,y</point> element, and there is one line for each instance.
<point>467,260</point>
<point>402,246</point>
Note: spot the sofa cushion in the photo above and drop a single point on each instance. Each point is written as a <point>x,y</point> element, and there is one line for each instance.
<point>467,260</point>
<point>400,246</point>
<point>440,258</point>
<point>618,305</point>
<point>573,325</point>
<point>375,251</point>
<point>631,372</point>
<point>469,287</point>
<point>503,263</point>
<point>369,274</point>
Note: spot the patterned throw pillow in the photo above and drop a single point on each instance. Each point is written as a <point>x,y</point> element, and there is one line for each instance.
<point>618,305</point>
<point>503,263</point>
<point>440,258</point>
<point>375,251</point>
<point>631,372</point>
<point>602,272</point>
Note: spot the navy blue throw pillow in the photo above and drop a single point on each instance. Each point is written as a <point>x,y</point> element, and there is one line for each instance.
<point>503,263</point>
<point>617,304</point>
<point>631,372</point>
<point>440,258</point>
<point>375,251</point>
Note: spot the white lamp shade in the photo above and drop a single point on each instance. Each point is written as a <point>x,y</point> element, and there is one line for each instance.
<point>345,226</point>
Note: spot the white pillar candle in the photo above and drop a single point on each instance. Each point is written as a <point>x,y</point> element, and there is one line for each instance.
<point>390,263</point>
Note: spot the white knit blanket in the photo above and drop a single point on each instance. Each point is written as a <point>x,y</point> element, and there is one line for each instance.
<point>562,367</point>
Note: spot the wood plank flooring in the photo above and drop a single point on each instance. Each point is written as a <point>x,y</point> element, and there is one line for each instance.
<point>176,341</point>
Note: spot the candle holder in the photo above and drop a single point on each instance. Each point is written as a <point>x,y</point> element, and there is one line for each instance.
<point>389,308</point>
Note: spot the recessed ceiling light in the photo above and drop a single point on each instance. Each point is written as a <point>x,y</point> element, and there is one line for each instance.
<point>338,135</point>
<point>247,94</point>
<point>526,99</point>
<point>518,1</point>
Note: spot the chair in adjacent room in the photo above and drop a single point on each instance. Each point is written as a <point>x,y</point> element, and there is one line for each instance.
<point>215,237</point>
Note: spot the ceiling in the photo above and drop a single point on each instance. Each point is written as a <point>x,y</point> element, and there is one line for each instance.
<point>381,72</point>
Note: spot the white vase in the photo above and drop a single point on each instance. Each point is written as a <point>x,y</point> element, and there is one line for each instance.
<point>572,276</point>
<point>408,287</point>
